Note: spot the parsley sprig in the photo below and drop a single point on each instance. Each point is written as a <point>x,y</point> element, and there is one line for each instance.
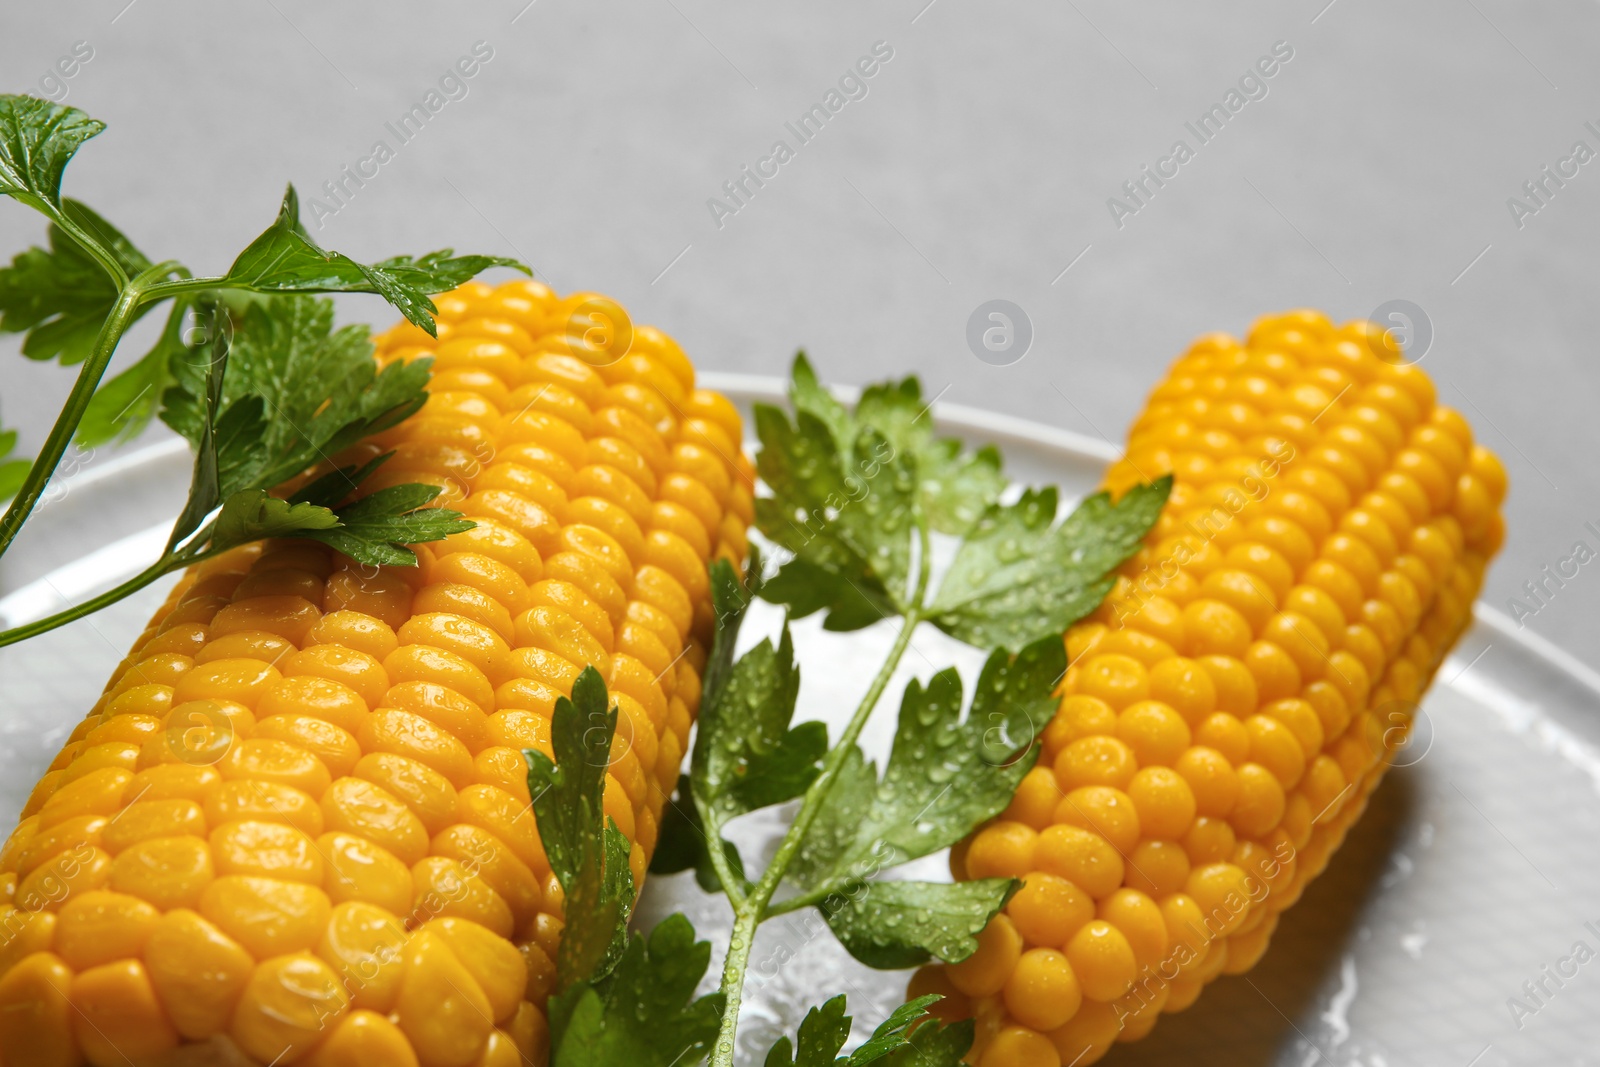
<point>853,502</point>
<point>247,367</point>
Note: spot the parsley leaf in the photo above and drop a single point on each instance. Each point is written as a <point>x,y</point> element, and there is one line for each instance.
<point>642,1015</point>
<point>902,924</point>
<point>61,296</point>
<point>37,139</point>
<point>953,486</point>
<point>377,528</point>
<point>895,1032</point>
<point>12,471</point>
<point>587,852</point>
<point>846,518</point>
<point>824,1031</point>
<point>945,776</point>
<point>746,753</point>
<point>317,391</point>
<point>1019,576</point>
<point>191,409</point>
<point>252,514</point>
<point>934,1044</point>
<point>263,401</point>
<point>286,259</point>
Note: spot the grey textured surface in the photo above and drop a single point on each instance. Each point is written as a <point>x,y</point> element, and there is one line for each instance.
<point>978,165</point>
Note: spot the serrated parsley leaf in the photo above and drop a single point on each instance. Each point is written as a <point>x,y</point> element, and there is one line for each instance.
<point>60,296</point>
<point>730,598</point>
<point>252,514</point>
<point>746,754</point>
<point>377,528</point>
<point>37,140</point>
<point>587,852</point>
<point>890,925</point>
<point>1019,576</point>
<point>945,775</point>
<point>895,1033</point>
<point>821,1035</point>
<point>823,1032</point>
<point>807,393</point>
<point>934,1044</point>
<point>847,520</point>
<point>286,259</point>
<point>954,486</point>
<point>643,1014</point>
<point>318,390</point>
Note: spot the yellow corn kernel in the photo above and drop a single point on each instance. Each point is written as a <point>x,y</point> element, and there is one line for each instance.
<point>494,963</point>
<point>27,932</point>
<point>440,1007</point>
<point>1220,729</point>
<point>360,1039</point>
<point>364,944</point>
<point>117,1016</point>
<point>268,916</point>
<point>197,971</point>
<point>101,927</point>
<point>297,741</point>
<point>444,887</point>
<point>37,1020</point>
<point>287,1007</point>
<point>336,681</point>
<point>266,850</point>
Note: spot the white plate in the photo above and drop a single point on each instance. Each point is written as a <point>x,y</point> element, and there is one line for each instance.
<point>1475,869</point>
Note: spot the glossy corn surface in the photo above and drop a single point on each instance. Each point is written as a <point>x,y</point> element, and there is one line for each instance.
<point>1231,706</point>
<point>296,828</point>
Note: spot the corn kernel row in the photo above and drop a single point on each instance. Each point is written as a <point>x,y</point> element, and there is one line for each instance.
<point>1231,706</point>
<point>297,824</point>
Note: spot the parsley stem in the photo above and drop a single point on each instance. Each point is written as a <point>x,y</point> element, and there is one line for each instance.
<point>179,286</point>
<point>755,908</point>
<point>91,247</point>
<point>732,881</point>
<point>165,565</point>
<point>122,315</point>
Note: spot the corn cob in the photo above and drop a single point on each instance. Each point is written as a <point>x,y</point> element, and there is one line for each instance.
<point>1233,703</point>
<point>296,827</point>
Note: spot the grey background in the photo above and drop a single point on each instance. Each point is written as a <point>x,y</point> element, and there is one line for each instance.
<point>978,166</point>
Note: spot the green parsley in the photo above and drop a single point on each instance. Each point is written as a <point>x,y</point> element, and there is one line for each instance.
<point>248,366</point>
<point>856,498</point>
